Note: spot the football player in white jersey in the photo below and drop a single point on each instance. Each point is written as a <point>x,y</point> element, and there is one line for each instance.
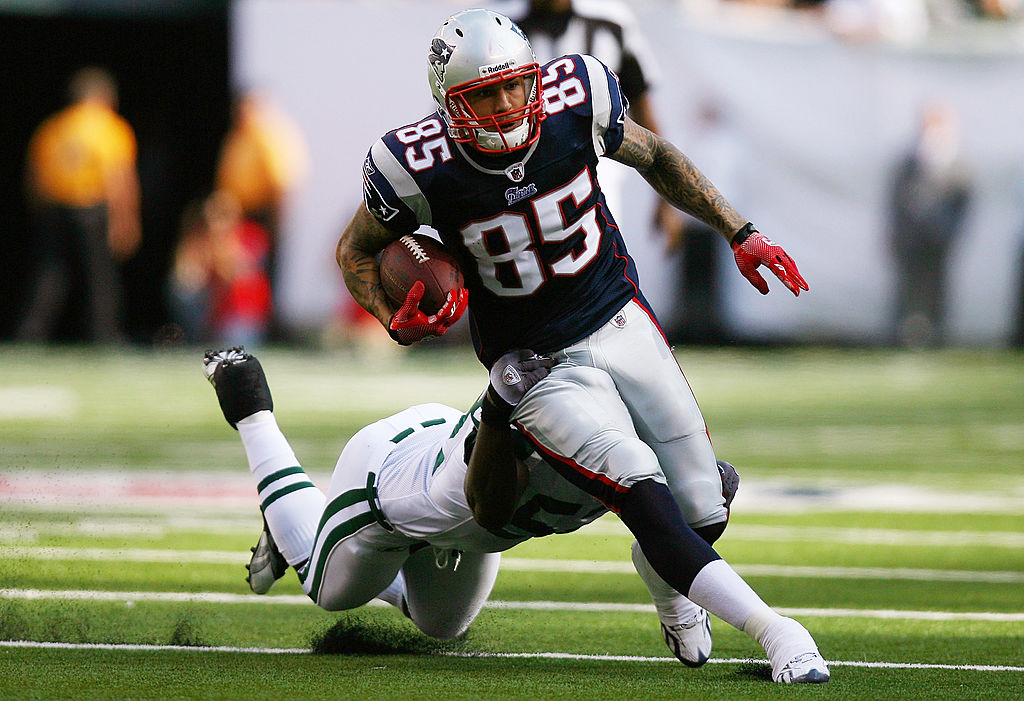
<point>421,504</point>
<point>505,170</point>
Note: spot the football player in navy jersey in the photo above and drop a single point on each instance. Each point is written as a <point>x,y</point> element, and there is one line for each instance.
<point>505,172</point>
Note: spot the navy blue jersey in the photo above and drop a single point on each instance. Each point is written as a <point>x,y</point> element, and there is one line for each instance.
<point>543,259</point>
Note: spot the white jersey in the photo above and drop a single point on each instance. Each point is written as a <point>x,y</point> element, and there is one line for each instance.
<point>420,484</point>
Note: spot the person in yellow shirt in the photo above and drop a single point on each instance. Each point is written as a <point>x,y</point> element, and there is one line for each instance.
<point>83,192</point>
<point>262,160</point>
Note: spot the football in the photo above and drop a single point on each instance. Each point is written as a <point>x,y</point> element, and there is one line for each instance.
<point>419,257</point>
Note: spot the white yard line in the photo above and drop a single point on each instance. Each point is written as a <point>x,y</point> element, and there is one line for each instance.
<point>527,565</point>
<point>497,655</point>
<point>294,600</point>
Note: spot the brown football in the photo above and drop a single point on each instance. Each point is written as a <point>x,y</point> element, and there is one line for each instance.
<point>419,257</point>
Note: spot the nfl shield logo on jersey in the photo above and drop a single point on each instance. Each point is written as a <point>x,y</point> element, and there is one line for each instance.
<point>510,376</point>
<point>619,320</point>
<point>516,172</point>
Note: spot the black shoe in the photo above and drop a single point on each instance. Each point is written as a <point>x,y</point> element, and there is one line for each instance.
<point>242,388</point>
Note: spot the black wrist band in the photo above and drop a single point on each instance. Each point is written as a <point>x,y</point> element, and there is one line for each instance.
<point>495,411</point>
<point>743,234</point>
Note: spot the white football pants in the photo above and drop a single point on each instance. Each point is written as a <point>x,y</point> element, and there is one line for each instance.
<point>616,409</point>
<point>356,554</point>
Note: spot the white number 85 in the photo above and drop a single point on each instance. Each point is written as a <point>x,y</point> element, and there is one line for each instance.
<point>505,252</point>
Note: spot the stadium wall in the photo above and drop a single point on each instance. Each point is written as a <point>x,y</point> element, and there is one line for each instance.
<point>816,122</point>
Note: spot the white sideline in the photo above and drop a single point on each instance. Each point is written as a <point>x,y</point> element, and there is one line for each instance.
<point>498,655</point>
<point>518,564</point>
<point>294,600</point>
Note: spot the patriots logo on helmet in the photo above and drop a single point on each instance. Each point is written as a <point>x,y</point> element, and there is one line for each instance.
<point>517,30</point>
<point>510,376</point>
<point>440,54</point>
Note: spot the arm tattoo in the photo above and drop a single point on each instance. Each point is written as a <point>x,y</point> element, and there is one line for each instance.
<point>357,250</point>
<point>677,179</point>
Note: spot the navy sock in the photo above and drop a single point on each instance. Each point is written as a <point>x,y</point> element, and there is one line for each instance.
<point>674,550</point>
<point>712,532</point>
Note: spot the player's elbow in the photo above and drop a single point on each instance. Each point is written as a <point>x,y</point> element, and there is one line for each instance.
<point>489,513</point>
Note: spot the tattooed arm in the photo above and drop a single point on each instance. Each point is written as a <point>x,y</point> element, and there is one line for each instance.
<point>676,178</point>
<point>362,240</point>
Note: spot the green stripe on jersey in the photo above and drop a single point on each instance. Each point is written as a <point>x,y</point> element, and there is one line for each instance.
<point>403,435</point>
<point>344,530</point>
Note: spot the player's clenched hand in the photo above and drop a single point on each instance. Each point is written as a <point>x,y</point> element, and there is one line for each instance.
<point>512,376</point>
<point>751,248</point>
<point>409,324</point>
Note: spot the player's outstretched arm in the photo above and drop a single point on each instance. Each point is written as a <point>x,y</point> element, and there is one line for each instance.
<point>362,240</point>
<point>678,180</point>
<point>494,478</point>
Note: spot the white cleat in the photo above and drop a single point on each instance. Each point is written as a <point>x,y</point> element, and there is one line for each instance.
<point>805,668</point>
<point>793,655</point>
<point>690,642</point>
<point>267,564</point>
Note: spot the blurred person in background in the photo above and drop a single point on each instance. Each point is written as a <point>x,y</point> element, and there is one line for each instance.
<point>699,316</point>
<point>1017,321</point>
<point>609,31</point>
<point>219,289</point>
<point>83,192</point>
<point>928,203</point>
<point>262,161</point>
<point>898,21</point>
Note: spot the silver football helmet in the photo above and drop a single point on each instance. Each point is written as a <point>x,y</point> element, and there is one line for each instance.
<point>478,48</point>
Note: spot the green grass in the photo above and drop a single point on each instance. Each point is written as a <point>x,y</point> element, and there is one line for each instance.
<point>872,460</point>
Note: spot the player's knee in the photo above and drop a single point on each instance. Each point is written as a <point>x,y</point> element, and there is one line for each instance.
<point>442,629</point>
<point>712,532</point>
<point>701,502</point>
<point>633,460</point>
<point>338,600</point>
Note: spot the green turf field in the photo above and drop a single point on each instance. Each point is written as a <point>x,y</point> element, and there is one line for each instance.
<point>882,505</point>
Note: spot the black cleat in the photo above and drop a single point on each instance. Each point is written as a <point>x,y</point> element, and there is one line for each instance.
<point>241,385</point>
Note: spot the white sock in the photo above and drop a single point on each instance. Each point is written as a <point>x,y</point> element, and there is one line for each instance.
<point>293,520</point>
<point>782,638</point>
<point>721,591</point>
<point>266,448</point>
<point>673,608</point>
<point>291,504</point>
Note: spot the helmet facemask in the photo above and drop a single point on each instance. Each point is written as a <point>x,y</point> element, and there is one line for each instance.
<point>502,132</point>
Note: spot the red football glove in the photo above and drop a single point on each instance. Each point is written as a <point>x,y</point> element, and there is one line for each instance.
<point>409,325</point>
<point>752,248</point>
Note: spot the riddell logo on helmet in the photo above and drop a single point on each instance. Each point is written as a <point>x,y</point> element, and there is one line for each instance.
<point>497,68</point>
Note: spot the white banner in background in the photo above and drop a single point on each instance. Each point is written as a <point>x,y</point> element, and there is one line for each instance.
<point>816,124</point>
